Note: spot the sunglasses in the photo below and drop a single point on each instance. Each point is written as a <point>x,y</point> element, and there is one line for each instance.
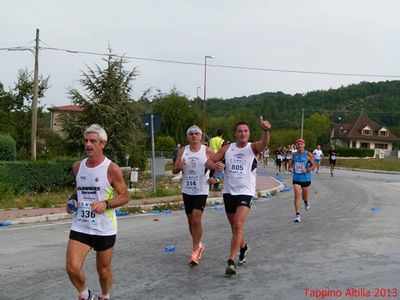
<point>193,133</point>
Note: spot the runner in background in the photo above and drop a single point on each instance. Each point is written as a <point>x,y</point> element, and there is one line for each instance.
<point>278,160</point>
<point>318,155</point>
<point>215,144</point>
<point>333,154</point>
<point>266,156</point>
<point>301,165</point>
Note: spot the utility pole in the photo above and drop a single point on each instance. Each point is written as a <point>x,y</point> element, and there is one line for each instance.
<point>302,122</point>
<point>35,98</point>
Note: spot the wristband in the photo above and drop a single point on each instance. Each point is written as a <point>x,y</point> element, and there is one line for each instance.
<point>108,206</point>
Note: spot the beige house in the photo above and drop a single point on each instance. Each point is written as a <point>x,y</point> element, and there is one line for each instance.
<point>55,113</point>
<point>363,132</point>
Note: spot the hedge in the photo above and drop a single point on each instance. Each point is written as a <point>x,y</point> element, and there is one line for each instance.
<point>351,152</point>
<point>39,176</point>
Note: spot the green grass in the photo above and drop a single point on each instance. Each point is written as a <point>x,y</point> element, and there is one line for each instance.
<point>48,199</point>
<point>160,192</point>
<point>54,199</point>
<point>381,164</point>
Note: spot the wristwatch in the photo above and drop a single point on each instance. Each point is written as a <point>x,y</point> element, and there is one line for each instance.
<point>108,206</point>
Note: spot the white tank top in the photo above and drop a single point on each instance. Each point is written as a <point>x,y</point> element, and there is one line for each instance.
<point>239,179</point>
<point>92,184</point>
<point>194,175</point>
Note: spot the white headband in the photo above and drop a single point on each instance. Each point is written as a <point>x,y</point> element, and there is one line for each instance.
<point>194,128</point>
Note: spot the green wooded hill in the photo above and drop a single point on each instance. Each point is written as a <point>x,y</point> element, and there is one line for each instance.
<point>379,100</point>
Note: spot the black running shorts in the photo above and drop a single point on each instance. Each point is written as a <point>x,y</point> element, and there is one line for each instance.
<point>302,183</point>
<point>194,202</point>
<point>97,242</point>
<point>232,202</point>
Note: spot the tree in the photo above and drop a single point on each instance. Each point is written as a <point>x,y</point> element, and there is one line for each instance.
<point>15,110</point>
<point>177,115</point>
<point>318,124</point>
<point>108,102</point>
<point>165,143</point>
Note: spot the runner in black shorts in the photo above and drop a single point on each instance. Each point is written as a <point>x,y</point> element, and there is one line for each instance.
<point>332,158</point>
<point>301,164</point>
<point>195,186</point>
<point>94,222</point>
<point>240,185</point>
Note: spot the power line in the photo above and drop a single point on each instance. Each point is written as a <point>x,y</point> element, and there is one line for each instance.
<point>223,66</point>
<point>201,64</point>
<point>18,48</point>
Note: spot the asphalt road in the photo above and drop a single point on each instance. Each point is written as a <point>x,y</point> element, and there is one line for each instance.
<point>349,239</point>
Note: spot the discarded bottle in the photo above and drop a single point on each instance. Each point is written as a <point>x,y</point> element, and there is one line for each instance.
<point>5,223</point>
<point>120,213</point>
<point>169,249</point>
<point>218,207</point>
<point>72,205</point>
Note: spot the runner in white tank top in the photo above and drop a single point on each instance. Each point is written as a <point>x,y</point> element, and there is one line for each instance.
<point>194,174</point>
<point>240,176</point>
<point>239,184</point>
<point>91,185</point>
<point>195,186</point>
<point>100,189</point>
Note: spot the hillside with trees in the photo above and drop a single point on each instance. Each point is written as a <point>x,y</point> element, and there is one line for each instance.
<point>379,100</point>
<point>108,101</point>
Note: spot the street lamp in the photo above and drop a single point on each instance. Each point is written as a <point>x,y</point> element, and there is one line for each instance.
<point>205,95</point>
<point>197,100</point>
<point>302,122</point>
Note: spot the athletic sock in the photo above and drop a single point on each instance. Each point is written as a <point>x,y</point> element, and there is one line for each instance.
<point>84,294</point>
<point>104,296</point>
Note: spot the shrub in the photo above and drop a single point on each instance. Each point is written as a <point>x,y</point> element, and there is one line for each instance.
<point>165,143</point>
<point>54,146</point>
<point>39,176</point>
<point>351,152</point>
<point>8,148</point>
<point>45,202</point>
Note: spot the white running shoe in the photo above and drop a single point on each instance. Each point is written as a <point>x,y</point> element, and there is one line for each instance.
<point>298,219</point>
<point>307,205</point>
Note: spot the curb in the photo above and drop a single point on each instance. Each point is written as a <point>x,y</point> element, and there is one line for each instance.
<point>367,171</point>
<point>41,219</point>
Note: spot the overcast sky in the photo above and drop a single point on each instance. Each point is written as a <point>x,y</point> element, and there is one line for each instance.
<point>337,36</point>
